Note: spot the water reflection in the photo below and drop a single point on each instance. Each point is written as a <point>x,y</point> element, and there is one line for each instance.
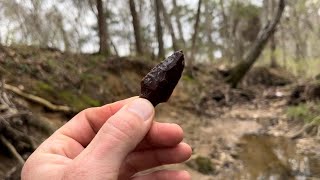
<point>267,157</point>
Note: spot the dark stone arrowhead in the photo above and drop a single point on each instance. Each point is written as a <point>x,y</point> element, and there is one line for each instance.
<point>158,85</point>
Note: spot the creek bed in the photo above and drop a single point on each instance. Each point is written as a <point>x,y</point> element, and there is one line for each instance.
<point>267,157</point>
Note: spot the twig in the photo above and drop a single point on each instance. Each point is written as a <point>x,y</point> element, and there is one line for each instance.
<point>12,150</point>
<point>38,100</point>
<point>13,115</point>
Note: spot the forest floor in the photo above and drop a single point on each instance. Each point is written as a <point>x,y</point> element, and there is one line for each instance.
<point>243,133</point>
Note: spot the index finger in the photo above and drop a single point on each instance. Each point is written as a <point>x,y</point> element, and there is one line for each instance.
<point>85,125</point>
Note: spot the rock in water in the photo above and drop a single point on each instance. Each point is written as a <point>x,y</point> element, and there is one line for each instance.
<point>158,85</point>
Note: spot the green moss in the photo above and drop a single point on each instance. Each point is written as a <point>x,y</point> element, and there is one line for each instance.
<point>304,112</point>
<point>188,78</point>
<point>71,99</point>
<point>52,63</point>
<point>91,78</point>
<point>90,101</point>
<point>94,60</point>
<point>44,86</point>
<point>44,90</point>
<point>204,165</point>
<point>67,97</point>
<point>201,164</point>
<point>79,102</point>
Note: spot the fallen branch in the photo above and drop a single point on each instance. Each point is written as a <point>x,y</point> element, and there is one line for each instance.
<point>38,100</point>
<point>12,149</point>
<point>306,128</point>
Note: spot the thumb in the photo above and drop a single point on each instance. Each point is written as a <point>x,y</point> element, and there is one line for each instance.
<point>121,133</point>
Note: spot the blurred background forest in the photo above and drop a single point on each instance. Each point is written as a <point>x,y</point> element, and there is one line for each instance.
<point>224,31</point>
<point>251,84</point>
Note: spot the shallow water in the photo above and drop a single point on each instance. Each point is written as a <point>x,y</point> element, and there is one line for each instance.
<point>275,158</point>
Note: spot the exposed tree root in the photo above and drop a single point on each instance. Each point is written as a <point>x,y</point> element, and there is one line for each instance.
<point>16,128</point>
<point>12,149</point>
<point>38,100</point>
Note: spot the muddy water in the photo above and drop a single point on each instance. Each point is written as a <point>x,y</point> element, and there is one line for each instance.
<point>275,158</point>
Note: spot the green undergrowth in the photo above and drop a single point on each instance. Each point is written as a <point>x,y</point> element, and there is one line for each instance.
<point>188,78</point>
<point>201,164</point>
<point>306,112</point>
<point>305,68</point>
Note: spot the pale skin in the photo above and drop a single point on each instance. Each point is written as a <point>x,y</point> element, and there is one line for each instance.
<point>111,142</point>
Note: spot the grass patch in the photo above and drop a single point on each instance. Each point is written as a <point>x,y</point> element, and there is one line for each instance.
<point>306,112</point>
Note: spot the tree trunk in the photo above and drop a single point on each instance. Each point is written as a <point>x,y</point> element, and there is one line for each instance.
<point>283,44</point>
<point>273,60</point>
<point>114,47</point>
<point>195,34</point>
<point>273,45</point>
<point>102,26</point>
<point>167,21</point>
<point>178,21</point>
<point>240,70</point>
<point>161,52</point>
<point>136,27</point>
<point>228,44</point>
<point>209,30</point>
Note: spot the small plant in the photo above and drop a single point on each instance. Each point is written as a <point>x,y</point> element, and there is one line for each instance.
<point>306,112</point>
<point>188,78</point>
<point>202,164</point>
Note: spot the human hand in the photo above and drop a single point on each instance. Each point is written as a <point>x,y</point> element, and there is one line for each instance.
<point>114,141</point>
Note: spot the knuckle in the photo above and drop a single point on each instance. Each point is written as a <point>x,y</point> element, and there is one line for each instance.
<point>122,126</point>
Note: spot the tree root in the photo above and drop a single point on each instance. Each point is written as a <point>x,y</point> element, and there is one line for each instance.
<point>14,173</point>
<point>12,149</point>
<point>38,100</point>
<point>15,132</point>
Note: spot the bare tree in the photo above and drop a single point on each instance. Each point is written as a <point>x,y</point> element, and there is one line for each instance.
<point>273,45</point>
<point>176,12</point>
<point>136,27</point>
<point>161,52</point>
<point>240,70</point>
<point>195,33</point>
<point>168,22</point>
<point>102,26</point>
<point>208,28</point>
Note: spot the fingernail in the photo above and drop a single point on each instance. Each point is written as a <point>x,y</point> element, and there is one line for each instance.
<point>141,107</point>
